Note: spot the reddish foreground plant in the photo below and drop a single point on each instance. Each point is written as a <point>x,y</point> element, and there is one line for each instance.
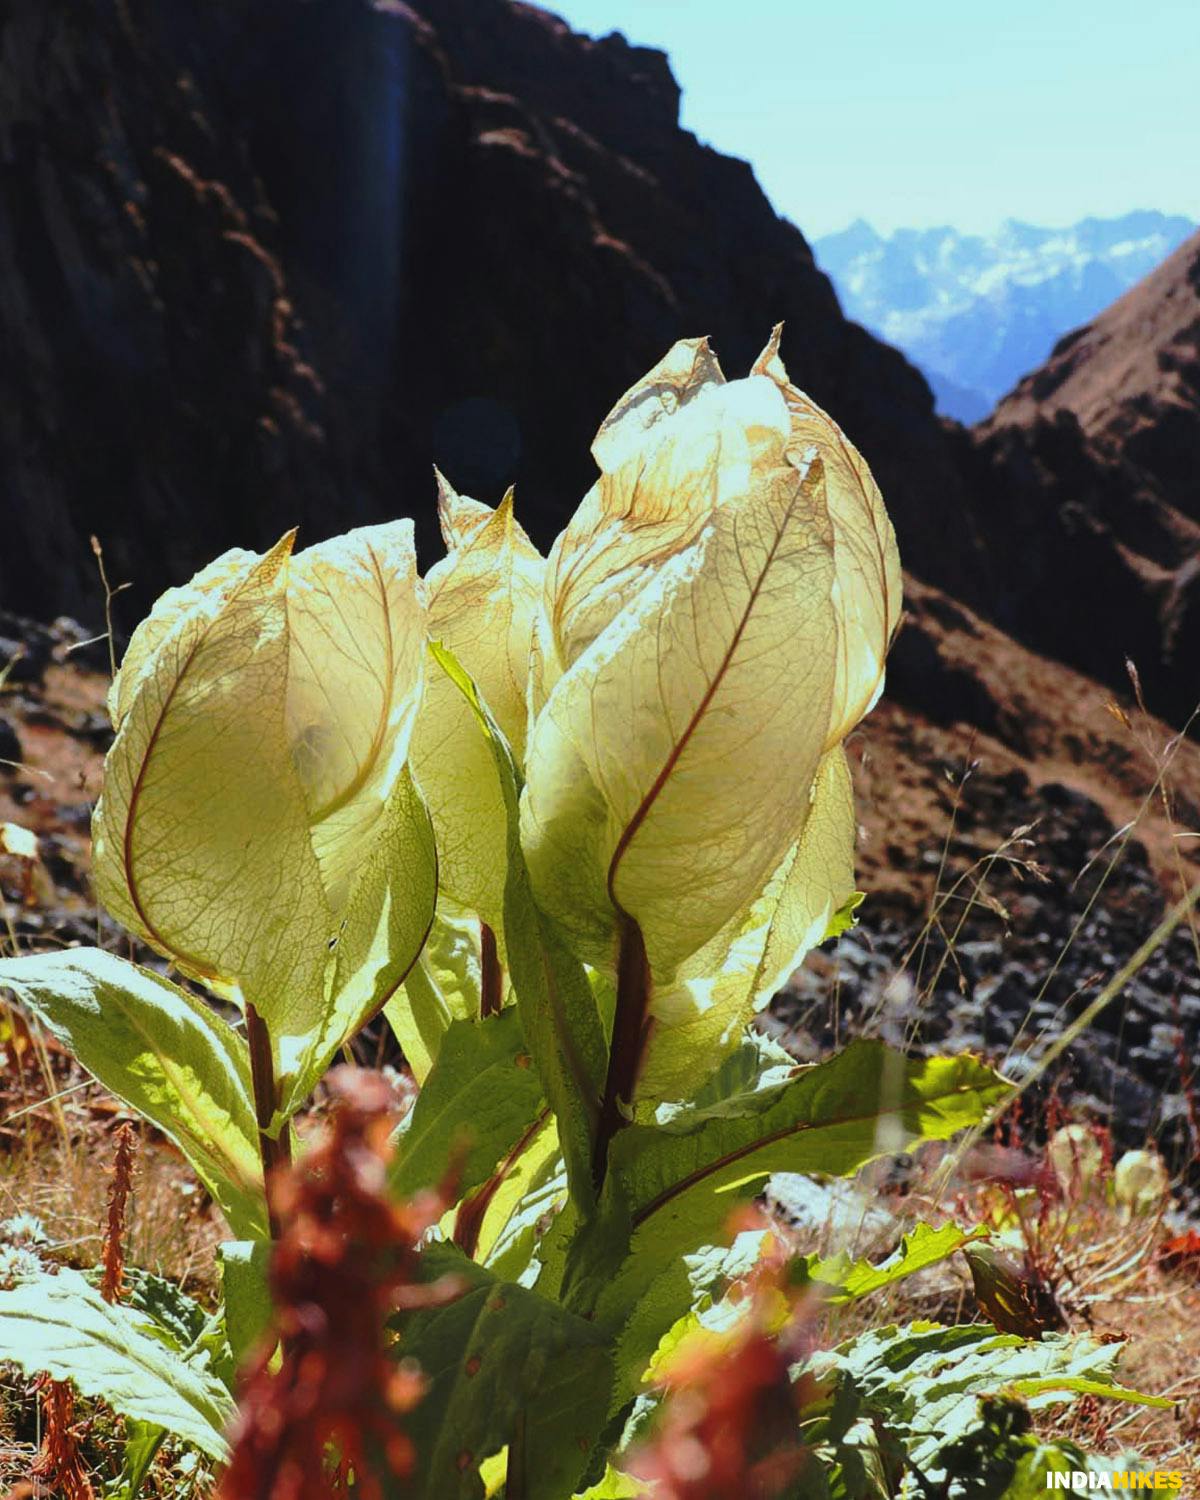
<point>346,1261</point>
<point>59,1462</point>
<point>729,1423</point>
<point>112,1256</point>
<point>729,1419</point>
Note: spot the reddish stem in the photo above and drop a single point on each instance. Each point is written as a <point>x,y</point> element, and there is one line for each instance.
<point>491,996</point>
<point>274,1152</point>
<point>631,1027</point>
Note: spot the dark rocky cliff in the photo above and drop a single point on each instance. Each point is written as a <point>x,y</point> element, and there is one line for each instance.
<point>265,262</point>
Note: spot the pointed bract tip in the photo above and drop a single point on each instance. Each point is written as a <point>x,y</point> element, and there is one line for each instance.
<point>769,362</point>
<point>271,564</point>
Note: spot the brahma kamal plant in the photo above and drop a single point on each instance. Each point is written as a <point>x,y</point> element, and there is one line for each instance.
<point>568,822</point>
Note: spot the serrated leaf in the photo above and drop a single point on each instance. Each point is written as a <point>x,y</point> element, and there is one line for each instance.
<point>482,1094</point>
<point>167,1313</point>
<point>671,1190</point>
<point>173,1316</point>
<point>845,1280</point>
<point>59,1324</point>
<point>558,1009</point>
<point>756,1062</point>
<point>846,915</point>
<point>925,1383</point>
<point>615,1486</point>
<point>1049,1390</point>
<point>163,1052</point>
<point>503,1366</point>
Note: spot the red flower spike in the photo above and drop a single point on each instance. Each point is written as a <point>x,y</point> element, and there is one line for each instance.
<point>329,1419</point>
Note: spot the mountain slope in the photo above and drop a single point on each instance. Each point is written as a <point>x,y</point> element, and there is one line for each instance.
<point>1092,463</point>
<point>976,312</point>
<point>1132,379</point>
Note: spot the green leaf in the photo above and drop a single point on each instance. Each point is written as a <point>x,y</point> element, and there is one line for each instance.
<point>703,1011</point>
<point>933,1388</point>
<point>615,1486</point>
<point>59,1324</point>
<point>182,1324</point>
<point>442,986</point>
<point>163,1052</point>
<point>245,1265</point>
<point>755,1062</point>
<point>558,1008</point>
<point>845,917</point>
<point>532,1192</point>
<point>671,1190</point>
<point>142,1442</point>
<point>1051,1390</point>
<point>201,839</point>
<point>846,1280</point>
<point>384,927</point>
<point>481,1096</point>
<point>484,598</point>
<point>504,1367</point>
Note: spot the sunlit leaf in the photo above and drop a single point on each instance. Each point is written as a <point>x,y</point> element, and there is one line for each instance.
<point>384,926</point>
<point>482,1095</point>
<point>483,599</point>
<point>700,1017</point>
<point>842,1279</point>
<point>671,1189</point>
<point>244,1269</point>
<point>60,1324</point>
<point>165,1054</point>
<point>356,664</point>
<point>443,985</point>
<point>868,586</point>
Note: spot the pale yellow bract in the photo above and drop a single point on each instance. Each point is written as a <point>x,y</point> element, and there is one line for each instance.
<point>263,713</point>
<point>717,615</point>
<point>675,682</point>
<point>483,600</point>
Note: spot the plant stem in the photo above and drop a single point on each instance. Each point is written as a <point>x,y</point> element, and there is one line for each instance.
<point>516,1476</point>
<point>274,1152</point>
<point>631,1024</point>
<point>491,989</point>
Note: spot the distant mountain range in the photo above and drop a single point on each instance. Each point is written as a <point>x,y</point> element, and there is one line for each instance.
<point>978,312</point>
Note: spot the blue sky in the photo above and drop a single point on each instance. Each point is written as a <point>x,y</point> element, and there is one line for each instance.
<point>932,112</point>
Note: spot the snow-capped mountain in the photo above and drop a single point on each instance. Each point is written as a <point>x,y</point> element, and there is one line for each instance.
<point>976,312</point>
